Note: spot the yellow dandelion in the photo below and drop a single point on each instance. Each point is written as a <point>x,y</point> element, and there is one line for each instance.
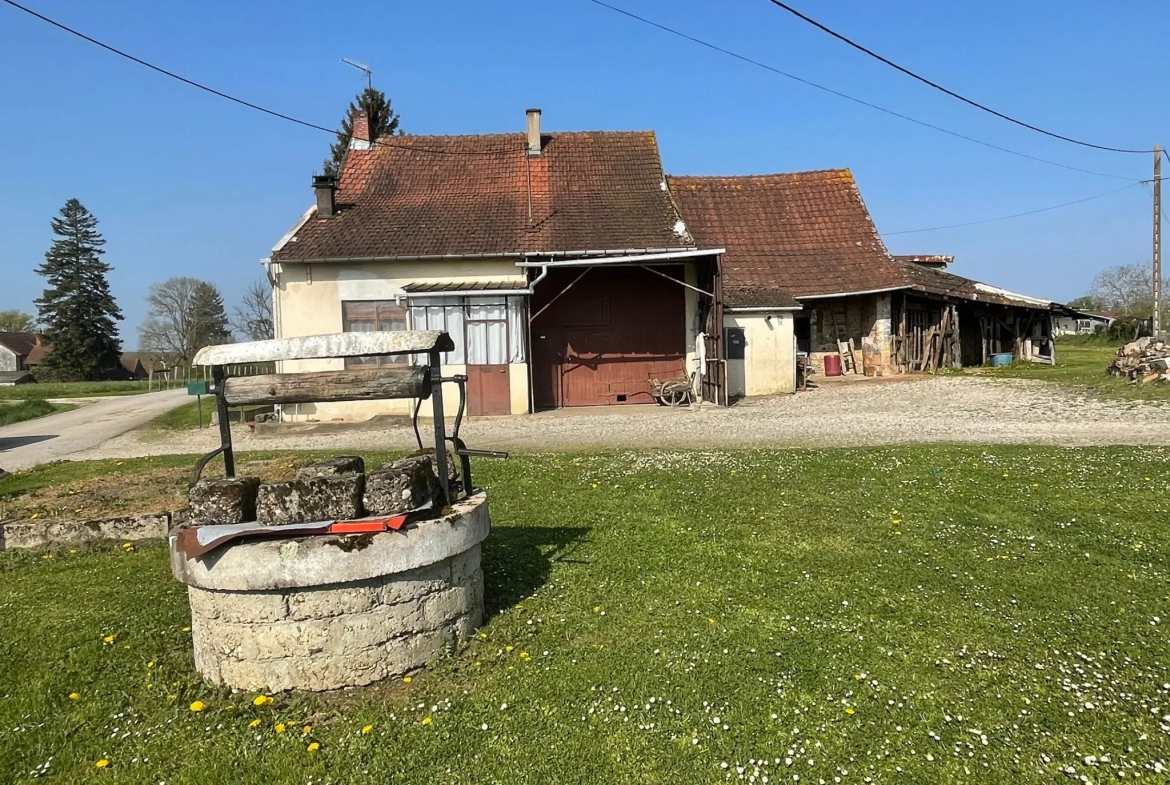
<point>849,710</point>
<point>896,521</point>
<point>33,517</point>
<point>73,696</point>
<point>426,721</point>
<point>47,556</point>
<point>314,747</point>
<point>127,545</point>
<point>197,706</point>
<point>1035,485</point>
<point>254,723</point>
<point>109,639</point>
<point>367,729</point>
<point>280,727</point>
<point>101,764</point>
<point>150,664</point>
<point>186,629</point>
<point>261,700</point>
<point>307,729</point>
<point>406,680</point>
<point>508,648</point>
<point>118,463</point>
<point>597,609</point>
<point>711,622</point>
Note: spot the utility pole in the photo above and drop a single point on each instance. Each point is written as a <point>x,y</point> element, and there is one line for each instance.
<point>1157,315</point>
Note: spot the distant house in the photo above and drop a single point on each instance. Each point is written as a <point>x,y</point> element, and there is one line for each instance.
<point>810,234</point>
<point>10,378</point>
<point>1083,322</point>
<point>20,351</point>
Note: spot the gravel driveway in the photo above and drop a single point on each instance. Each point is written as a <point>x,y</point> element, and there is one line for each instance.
<point>875,412</point>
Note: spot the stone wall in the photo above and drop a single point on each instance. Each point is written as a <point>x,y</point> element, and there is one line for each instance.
<point>31,535</point>
<point>337,635</point>
<point>325,612</point>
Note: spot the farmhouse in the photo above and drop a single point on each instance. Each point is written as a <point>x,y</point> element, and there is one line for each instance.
<point>810,235</point>
<point>571,271</point>
<point>557,262</point>
<point>19,351</point>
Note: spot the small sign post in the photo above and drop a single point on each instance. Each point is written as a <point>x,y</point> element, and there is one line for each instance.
<point>199,389</point>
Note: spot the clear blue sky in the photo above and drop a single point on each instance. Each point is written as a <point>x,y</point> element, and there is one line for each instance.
<point>187,184</point>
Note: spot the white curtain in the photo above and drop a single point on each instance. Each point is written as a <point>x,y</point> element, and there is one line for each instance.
<point>517,329</point>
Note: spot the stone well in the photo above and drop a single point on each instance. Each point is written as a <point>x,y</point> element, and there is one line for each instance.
<point>320,613</point>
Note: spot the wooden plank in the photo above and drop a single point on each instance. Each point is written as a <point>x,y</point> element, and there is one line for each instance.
<point>328,386</point>
<point>312,347</point>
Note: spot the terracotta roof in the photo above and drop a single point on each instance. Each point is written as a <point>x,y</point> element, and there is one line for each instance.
<point>37,355</point>
<point>809,233</point>
<point>19,343</point>
<point>483,195</point>
<point>756,297</point>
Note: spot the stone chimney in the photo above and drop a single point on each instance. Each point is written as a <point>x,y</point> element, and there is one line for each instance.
<point>325,187</point>
<point>534,132</point>
<point>360,140</point>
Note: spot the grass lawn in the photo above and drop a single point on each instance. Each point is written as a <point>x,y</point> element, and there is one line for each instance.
<point>26,410</point>
<point>910,615</point>
<point>74,389</point>
<point>187,417</point>
<point>1081,362</point>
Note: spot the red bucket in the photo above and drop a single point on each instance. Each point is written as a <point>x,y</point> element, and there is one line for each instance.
<point>832,365</point>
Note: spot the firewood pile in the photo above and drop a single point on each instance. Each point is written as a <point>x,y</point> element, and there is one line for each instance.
<point>1141,361</point>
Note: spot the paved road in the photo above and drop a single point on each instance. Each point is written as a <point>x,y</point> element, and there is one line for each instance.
<point>59,436</point>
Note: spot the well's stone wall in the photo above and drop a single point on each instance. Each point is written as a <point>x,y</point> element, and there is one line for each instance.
<point>319,613</point>
<point>337,635</point>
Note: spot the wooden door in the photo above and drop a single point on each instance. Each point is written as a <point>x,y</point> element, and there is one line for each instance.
<point>606,335</point>
<point>488,390</point>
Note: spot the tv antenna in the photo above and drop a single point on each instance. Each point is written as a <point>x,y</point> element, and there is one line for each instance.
<point>365,69</point>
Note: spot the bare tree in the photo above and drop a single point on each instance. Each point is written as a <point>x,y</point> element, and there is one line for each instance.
<point>185,315</point>
<point>1127,289</point>
<point>253,316</point>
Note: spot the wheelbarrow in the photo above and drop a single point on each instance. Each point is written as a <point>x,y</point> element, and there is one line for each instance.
<point>674,392</point>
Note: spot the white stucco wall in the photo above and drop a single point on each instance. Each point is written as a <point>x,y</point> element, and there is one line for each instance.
<point>308,301</point>
<point>8,359</point>
<point>769,364</point>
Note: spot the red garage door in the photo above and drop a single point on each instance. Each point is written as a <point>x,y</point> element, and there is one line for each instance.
<point>603,339</point>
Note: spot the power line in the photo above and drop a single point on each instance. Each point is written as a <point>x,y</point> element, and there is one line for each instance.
<point>233,98</point>
<point>847,97</point>
<point>1017,215</point>
<point>940,88</point>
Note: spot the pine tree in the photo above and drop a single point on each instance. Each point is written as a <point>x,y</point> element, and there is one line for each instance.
<point>383,122</point>
<point>77,310</point>
<point>208,319</point>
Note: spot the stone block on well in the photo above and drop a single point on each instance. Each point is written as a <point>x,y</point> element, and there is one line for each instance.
<point>400,486</point>
<point>332,467</point>
<point>223,500</point>
<point>308,501</point>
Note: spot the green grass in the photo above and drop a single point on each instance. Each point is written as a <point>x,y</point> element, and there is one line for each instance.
<point>26,410</point>
<point>74,389</point>
<point>1081,363</point>
<point>187,417</point>
<point>906,615</point>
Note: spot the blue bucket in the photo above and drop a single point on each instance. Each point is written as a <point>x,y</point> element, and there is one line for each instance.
<point>1000,360</point>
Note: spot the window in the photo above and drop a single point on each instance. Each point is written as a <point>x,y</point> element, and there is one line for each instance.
<point>485,330</point>
<point>367,316</point>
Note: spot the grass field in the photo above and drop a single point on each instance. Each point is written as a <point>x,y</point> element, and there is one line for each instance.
<point>1081,362</point>
<point>28,409</point>
<point>74,389</point>
<point>187,416</point>
<point>909,615</point>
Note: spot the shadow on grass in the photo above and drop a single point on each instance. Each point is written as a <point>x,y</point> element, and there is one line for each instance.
<point>517,560</point>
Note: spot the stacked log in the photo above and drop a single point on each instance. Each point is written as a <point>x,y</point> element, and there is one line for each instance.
<point>1141,361</point>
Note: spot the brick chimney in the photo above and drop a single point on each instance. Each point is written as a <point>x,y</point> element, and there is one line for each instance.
<point>360,140</point>
<point>533,131</point>
<point>325,188</point>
